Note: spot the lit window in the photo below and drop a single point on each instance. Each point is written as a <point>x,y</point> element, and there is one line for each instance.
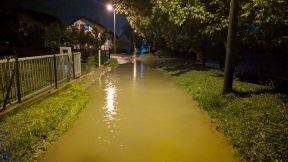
<point>86,26</point>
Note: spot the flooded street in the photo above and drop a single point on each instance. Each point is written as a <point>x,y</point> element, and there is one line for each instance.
<point>137,114</point>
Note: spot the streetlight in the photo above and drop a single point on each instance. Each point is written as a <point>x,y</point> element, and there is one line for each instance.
<point>134,43</point>
<point>99,50</point>
<point>111,8</point>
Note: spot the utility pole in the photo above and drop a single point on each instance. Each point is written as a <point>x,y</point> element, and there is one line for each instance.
<point>99,50</point>
<point>115,47</point>
<point>231,48</point>
<point>111,8</point>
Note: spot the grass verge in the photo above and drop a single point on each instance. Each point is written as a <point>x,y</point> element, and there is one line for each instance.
<point>254,118</point>
<point>26,133</point>
<point>113,63</point>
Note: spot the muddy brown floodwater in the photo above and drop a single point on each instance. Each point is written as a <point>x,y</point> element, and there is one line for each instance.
<point>137,114</point>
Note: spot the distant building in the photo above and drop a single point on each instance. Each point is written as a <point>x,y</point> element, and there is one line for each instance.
<point>88,25</point>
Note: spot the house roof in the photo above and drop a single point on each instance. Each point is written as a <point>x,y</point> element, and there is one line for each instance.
<point>87,20</point>
<point>40,17</point>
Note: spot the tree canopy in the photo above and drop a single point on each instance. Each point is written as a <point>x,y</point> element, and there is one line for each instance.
<point>184,25</point>
<point>200,26</point>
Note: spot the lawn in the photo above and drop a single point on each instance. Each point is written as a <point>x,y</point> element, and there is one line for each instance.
<point>25,134</point>
<point>254,118</point>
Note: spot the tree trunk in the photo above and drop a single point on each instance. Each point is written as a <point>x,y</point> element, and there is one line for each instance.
<point>230,49</point>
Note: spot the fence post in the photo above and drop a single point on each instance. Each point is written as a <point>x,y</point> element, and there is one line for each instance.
<point>99,57</point>
<point>55,71</point>
<point>73,65</point>
<point>18,83</point>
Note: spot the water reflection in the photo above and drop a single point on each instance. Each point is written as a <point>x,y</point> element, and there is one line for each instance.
<point>153,121</point>
<point>134,68</point>
<point>100,81</point>
<point>110,101</point>
<point>141,70</point>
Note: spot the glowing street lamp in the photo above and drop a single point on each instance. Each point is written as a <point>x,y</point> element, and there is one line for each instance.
<point>111,8</point>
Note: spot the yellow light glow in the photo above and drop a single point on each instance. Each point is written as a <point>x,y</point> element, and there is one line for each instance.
<point>134,68</point>
<point>110,7</point>
<point>110,101</point>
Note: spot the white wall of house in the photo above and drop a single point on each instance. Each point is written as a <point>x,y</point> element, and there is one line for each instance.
<point>87,25</point>
<point>80,23</point>
<point>108,45</point>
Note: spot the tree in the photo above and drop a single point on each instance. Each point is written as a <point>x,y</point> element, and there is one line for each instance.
<point>231,48</point>
<point>193,26</point>
<point>264,25</point>
<point>140,18</point>
<point>56,35</point>
<point>200,26</point>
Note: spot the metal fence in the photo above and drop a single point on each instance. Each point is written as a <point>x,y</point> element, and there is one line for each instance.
<point>22,78</point>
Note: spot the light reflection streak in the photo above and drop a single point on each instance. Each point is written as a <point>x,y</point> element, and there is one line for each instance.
<point>141,70</point>
<point>110,103</point>
<point>134,69</point>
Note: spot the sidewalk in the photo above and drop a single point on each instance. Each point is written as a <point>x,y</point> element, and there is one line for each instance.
<point>140,119</point>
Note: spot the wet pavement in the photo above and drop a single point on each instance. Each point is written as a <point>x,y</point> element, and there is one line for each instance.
<point>137,114</point>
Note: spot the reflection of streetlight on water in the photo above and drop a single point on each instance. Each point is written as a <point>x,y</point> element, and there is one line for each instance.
<point>110,103</point>
<point>134,63</point>
<point>134,68</point>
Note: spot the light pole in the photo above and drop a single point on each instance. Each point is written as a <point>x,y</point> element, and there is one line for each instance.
<point>111,8</point>
<point>134,42</point>
<point>99,50</point>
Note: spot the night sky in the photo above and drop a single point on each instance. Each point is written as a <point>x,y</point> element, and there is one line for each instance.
<point>69,10</point>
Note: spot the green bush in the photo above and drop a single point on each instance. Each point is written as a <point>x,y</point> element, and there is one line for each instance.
<point>113,63</point>
<point>91,61</point>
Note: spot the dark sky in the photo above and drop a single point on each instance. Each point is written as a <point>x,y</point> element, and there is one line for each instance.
<point>69,10</point>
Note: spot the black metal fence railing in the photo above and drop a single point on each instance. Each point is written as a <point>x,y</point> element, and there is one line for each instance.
<point>22,78</point>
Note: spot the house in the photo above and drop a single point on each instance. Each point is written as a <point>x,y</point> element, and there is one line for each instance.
<point>28,19</point>
<point>24,31</point>
<point>88,25</point>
